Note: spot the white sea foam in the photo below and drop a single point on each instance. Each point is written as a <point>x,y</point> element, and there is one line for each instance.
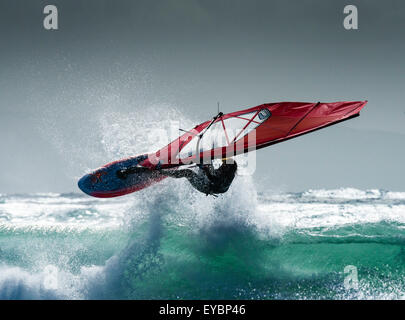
<point>46,283</point>
<point>395,195</point>
<point>282,211</point>
<point>344,193</point>
<point>62,211</point>
<point>287,216</point>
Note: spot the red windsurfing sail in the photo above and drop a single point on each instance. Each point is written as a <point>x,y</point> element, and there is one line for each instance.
<point>250,129</point>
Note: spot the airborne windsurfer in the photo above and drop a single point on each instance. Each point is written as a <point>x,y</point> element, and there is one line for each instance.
<point>207,179</point>
<point>225,135</point>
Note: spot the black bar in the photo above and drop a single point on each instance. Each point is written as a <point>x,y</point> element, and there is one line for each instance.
<point>200,309</point>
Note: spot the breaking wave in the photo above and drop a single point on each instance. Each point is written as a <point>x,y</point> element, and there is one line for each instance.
<point>176,243</point>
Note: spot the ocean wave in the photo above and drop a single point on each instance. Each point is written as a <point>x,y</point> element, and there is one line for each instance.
<point>341,195</point>
<point>62,210</point>
<point>354,194</point>
<point>48,283</point>
<point>16,283</point>
<point>173,242</point>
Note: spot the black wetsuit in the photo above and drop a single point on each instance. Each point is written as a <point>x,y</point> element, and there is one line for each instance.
<point>207,179</point>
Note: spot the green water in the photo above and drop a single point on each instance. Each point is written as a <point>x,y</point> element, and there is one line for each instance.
<point>165,254</point>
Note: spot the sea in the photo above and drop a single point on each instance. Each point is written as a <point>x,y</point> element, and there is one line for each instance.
<point>171,242</point>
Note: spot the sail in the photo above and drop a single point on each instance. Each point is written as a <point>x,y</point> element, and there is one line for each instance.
<point>224,132</point>
<point>258,127</point>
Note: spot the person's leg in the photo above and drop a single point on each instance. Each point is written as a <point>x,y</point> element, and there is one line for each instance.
<point>180,173</point>
<point>198,181</point>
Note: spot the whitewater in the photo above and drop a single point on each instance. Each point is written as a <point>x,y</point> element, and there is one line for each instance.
<point>175,243</point>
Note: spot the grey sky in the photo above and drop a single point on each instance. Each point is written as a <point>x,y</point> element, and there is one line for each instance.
<point>120,60</point>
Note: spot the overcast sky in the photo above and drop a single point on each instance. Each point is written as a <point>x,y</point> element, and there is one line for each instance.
<point>78,97</point>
